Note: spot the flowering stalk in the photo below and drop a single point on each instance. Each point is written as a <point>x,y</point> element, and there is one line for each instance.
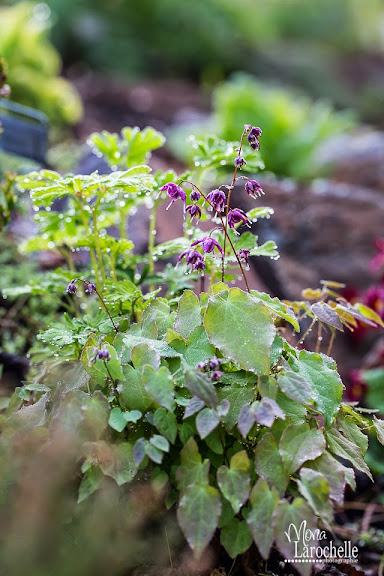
<point>223,227</point>
<point>90,289</point>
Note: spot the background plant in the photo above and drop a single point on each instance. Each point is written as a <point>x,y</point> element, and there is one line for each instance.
<point>34,64</point>
<point>206,395</point>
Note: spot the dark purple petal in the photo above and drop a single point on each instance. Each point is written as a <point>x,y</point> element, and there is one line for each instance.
<point>195,195</point>
<point>240,162</point>
<point>217,199</point>
<point>253,188</point>
<point>194,211</point>
<point>236,216</point>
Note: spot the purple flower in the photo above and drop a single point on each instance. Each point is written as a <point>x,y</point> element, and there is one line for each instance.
<point>104,355</point>
<point>174,192</point>
<point>208,244</point>
<point>236,216</point>
<point>90,288</point>
<point>195,195</point>
<point>199,266</point>
<point>71,288</point>
<point>193,258</point>
<point>194,211</point>
<point>216,375</point>
<point>240,162</point>
<point>253,188</point>
<point>201,366</point>
<point>243,255</point>
<point>253,137</point>
<point>214,363</point>
<point>217,199</point>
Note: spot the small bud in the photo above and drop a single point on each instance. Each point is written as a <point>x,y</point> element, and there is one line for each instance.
<point>195,195</point>
<point>201,366</point>
<point>90,288</point>
<point>208,244</point>
<point>240,162</point>
<point>71,288</point>
<point>104,355</point>
<point>253,188</point>
<point>217,199</point>
<point>243,255</point>
<point>174,192</point>
<point>194,211</point>
<point>216,375</point>
<point>236,216</point>
<point>215,363</point>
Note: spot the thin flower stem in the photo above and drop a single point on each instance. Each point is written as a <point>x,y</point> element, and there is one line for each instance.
<point>226,235</point>
<point>87,230</point>
<point>151,242</point>
<point>103,303</point>
<point>228,204</point>
<point>109,374</point>
<point>308,331</point>
<point>331,343</point>
<point>319,338</point>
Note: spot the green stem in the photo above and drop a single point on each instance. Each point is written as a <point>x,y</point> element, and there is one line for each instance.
<point>87,231</point>
<point>151,242</point>
<point>97,242</point>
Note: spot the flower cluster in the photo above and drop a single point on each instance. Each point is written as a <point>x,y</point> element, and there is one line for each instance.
<point>90,287</point>
<point>211,366</point>
<point>254,133</point>
<point>219,202</point>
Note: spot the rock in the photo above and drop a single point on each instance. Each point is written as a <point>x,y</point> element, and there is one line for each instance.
<point>324,230</point>
<point>357,158</point>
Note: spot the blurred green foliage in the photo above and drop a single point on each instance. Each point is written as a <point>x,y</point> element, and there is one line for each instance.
<point>293,125</point>
<point>34,64</point>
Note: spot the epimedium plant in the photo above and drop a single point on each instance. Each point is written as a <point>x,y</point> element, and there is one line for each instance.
<point>209,395</point>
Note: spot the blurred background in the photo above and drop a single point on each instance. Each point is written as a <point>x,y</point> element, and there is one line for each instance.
<point>310,74</point>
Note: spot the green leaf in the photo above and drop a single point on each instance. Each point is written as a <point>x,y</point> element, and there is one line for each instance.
<point>260,518</point>
<point>234,482</point>
<point>235,537</point>
<point>352,432</point>
<point>333,471</point>
<point>289,518</point>
<point>159,385</point>
<point>277,307</point>
<point>201,386</point>
<point>131,340</point>
<point>188,315</point>
<point>117,420</point>
<point>379,427</point>
<point>192,469</point>
<point>166,423</point>
<point>341,446</point>
<point>29,417</point>
<point>293,410</point>
<point>133,394</point>
<point>269,463</point>
<point>142,354</point>
<point>197,348</point>
<point>123,291</point>
<point>295,387</point>
<point>158,311</point>
<point>206,422</point>
<point>315,489</point>
<point>90,482</point>
<point>267,411</point>
<point>160,443</point>
<point>325,383</point>
<point>300,443</point>
<point>241,328</point>
<point>198,514</point>
<point>374,395</point>
<point>369,314</point>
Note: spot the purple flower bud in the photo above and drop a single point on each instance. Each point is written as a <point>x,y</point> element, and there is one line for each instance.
<point>216,375</point>
<point>195,195</point>
<point>194,211</point>
<point>253,137</point>
<point>199,266</point>
<point>236,216</point>
<point>243,255</point>
<point>71,288</point>
<point>201,366</point>
<point>104,355</point>
<point>240,162</point>
<point>217,199</point>
<point>214,363</point>
<point>247,127</point>
<point>256,132</point>
<point>90,288</point>
<point>208,244</point>
<point>192,256</point>
<point>174,192</point>
<point>253,188</point>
